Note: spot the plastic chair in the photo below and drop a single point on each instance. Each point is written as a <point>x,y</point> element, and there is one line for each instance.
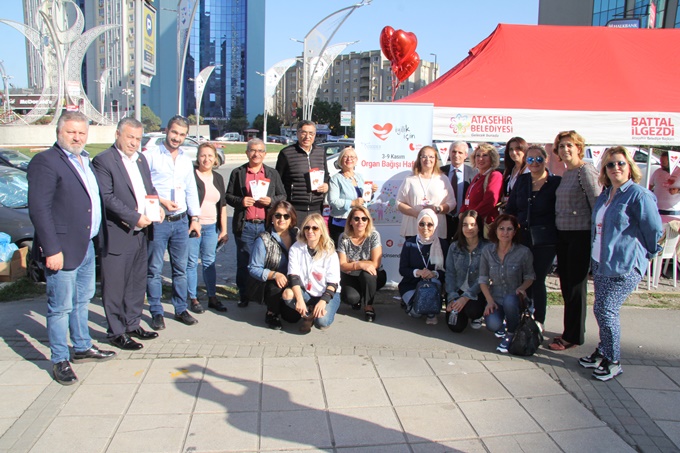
<point>667,253</point>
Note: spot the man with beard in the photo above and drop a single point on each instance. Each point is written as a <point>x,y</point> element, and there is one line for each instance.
<point>67,213</point>
<point>172,174</point>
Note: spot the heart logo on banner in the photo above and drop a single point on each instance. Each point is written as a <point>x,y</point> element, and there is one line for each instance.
<point>673,160</point>
<point>597,156</point>
<point>382,131</point>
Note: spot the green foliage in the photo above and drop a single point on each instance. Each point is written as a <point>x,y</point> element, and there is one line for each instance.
<point>151,121</point>
<point>192,119</point>
<point>273,124</point>
<point>23,288</point>
<point>327,113</point>
<point>237,121</point>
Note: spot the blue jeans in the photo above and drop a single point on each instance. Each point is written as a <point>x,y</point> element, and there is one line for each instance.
<point>68,296</point>
<point>173,236</point>
<point>331,309</point>
<point>509,308</point>
<point>204,247</point>
<point>244,246</point>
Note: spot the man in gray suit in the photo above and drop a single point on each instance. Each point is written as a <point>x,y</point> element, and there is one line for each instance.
<point>460,174</point>
<point>124,182</point>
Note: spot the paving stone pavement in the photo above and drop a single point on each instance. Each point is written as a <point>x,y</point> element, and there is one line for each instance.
<point>231,384</point>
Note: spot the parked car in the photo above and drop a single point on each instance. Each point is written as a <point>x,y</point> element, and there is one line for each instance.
<point>230,137</point>
<point>153,140</point>
<point>332,148</point>
<point>277,139</point>
<point>11,158</point>
<point>14,219</point>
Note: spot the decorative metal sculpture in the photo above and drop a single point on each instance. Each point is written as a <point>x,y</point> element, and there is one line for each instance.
<point>62,53</point>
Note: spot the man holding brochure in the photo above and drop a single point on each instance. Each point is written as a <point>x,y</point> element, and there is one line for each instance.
<point>253,188</point>
<point>132,206</point>
<point>304,172</point>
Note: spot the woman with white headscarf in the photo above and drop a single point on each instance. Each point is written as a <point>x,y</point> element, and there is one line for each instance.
<point>422,258</point>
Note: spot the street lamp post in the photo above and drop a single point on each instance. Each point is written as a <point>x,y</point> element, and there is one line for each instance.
<point>264,125</point>
<point>127,92</point>
<point>435,65</point>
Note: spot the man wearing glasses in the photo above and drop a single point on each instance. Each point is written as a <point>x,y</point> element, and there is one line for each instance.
<point>249,212</point>
<point>295,164</point>
<point>172,174</point>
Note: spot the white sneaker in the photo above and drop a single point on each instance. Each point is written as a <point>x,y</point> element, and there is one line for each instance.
<point>432,321</point>
<point>477,323</point>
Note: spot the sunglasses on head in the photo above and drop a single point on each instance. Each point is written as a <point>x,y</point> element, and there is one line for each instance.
<point>363,219</point>
<point>611,165</point>
<point>538,160</point>
<point>311,227</point>
<point>425,225</point>
<point>282,216</point>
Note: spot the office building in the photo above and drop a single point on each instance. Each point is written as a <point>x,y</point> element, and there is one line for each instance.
<point>600,12</point>
<point>354,77</point>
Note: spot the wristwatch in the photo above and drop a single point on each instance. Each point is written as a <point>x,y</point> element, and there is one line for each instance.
<point>437,209</point>
<point>194,219</point>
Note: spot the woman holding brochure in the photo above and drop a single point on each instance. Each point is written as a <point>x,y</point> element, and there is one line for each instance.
<point>347,191</point>
<point>213,220</point>
<point>429,188</point>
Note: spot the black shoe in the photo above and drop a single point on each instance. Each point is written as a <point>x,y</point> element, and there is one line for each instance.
<point>157,322</point>
<point>273,321</point>
<point>63,373</point>
<point>186,318</point>
<point>216,304</point>
<point>125,342</point>
<point>142,334</point>
<point>196,306</point>
<point>242,304</point>
<point>94,354</point>
<point>356,306</point>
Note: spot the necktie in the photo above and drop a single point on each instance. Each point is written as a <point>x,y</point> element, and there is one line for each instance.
<point>454,184</point>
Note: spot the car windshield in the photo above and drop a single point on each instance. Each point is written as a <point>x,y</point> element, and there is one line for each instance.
<point>15,158</point>
<point>13,189</point>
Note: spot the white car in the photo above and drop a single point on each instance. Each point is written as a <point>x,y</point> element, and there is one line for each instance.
<point>190,146</point>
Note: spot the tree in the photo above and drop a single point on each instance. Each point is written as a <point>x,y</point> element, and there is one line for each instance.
<point>237,119</point>
<point>326,113</point>
<point>192,119</point>
<point>273,124</point>
<point>151,122</point>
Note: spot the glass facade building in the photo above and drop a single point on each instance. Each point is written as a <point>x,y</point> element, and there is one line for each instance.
<point>600,12</point>
<point>606,10</point>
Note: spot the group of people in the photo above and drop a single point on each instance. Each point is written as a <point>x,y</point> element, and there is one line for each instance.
<point>487,240</point>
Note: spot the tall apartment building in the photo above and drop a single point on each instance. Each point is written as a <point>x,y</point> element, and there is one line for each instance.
<point>599,12</point>
<point>354,77</point>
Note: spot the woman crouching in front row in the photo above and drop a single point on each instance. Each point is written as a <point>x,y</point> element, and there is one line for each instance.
<point>314,274</point>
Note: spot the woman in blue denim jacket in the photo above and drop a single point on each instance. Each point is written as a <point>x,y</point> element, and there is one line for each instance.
<point>626,228</point>
<point>463,295</point>
<point>506,271</point>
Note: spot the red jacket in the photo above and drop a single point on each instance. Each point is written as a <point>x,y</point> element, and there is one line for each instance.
<point>484,201</point>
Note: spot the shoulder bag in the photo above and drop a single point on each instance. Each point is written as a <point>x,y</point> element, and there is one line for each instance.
<point>528,336</point>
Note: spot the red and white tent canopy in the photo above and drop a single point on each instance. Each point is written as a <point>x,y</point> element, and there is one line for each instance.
<point>613,86</point>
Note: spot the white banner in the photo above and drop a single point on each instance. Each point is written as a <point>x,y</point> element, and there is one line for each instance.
<point>387,140</point>
<point>541,126</point>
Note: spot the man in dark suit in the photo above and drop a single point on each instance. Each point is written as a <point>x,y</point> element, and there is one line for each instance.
<point>460,174</point>
<point>124,182</point>
<point>67,213</point>
<point>249,213</point>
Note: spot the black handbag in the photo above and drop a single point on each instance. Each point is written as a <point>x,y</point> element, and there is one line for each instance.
<point>528,336</point>
<point>541,235</point>
<point>427,299</point>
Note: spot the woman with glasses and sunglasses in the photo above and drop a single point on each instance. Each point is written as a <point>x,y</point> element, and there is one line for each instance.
<point>574,200</point>
<point>269,262</point>
<point>429,188</point>
<point>626,230</point>
<point>505,273</point>
<point>463,293</point>
<point>532,201</point>
<point>346,192</point>
<point>360,253</point>
<point>314,275</point>
<point>515,165</point>
<point>484,191</point>
<point>422,258</point>
<point>213,220</point>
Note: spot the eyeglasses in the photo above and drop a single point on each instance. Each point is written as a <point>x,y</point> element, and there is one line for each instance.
<point>349,157</point>
<point>426,225</point>
<point>311,227</point>
<point>428,157</point>
<point>306,134</point>
<point>363,219</point>
<point>612,165</point>
<point>282,216</point>
<point>538,160</point>
<point>260,151</point>
<point>508,229</point>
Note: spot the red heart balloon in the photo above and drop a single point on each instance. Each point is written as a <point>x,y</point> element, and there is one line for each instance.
<point>402,45</point>
<point>385,39</point>
<point>406,67</point>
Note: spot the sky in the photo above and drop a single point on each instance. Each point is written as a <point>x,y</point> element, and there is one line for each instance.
<point>447,28</point>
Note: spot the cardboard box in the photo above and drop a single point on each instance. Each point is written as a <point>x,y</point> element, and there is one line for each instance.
<point>15,268</point>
